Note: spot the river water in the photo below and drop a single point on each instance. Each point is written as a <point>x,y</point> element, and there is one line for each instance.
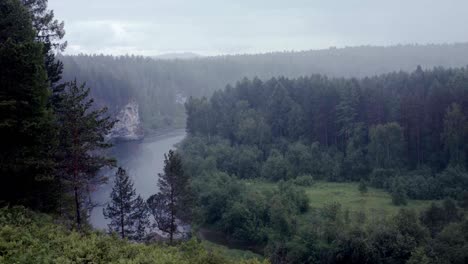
<point>142,160</point>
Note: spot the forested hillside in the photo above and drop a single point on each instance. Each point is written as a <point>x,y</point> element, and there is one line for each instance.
<point>404,120</point>
<point>260,151</point>
<point>160,86</point>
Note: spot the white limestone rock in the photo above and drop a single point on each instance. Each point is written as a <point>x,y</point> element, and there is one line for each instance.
<point>128,126</point>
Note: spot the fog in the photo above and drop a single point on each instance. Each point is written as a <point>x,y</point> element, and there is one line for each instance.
<point>208,27</point>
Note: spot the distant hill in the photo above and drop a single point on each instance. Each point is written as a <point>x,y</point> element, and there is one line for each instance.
<point>157,83</point>
<point>177,56</point>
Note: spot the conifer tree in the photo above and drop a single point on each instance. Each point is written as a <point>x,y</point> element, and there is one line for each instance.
<point>140,219</point>
<point>50,32</point>
<point>172,203</point>
<point>25,119</point>
<point>127,212</point>
<point>82,139</point>
<point>455,134</point>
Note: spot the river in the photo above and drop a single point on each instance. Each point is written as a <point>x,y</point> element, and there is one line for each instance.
<point>142,160</point>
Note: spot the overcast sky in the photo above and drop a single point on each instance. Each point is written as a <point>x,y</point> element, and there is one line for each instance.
<point>211,27</point>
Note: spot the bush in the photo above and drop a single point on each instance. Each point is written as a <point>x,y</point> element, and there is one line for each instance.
<point>399,197</point>
<point>380,178</point>
<point>27,237</point>
<point>276,167</point>
<point>304,180</point>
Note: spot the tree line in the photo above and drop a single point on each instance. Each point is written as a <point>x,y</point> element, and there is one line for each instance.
<point>403,132</point>
<point>161,85</point>
<point>398,127</point>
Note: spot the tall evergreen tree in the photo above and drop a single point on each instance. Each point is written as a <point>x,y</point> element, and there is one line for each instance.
<point>455,135</point>
<point>172,203</point>
<point>346,114</point>
<point>141,219</point>
<point>25,119</point>
<point>82,137</point>
<point>356,163</point>
<point>386,146</point>
<point>50,32</point>
<point>127,211</point>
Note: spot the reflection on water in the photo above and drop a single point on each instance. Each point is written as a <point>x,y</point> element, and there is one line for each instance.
<point>143,160</point>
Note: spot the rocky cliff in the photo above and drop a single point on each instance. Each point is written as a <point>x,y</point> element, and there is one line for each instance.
<point>128,126</point>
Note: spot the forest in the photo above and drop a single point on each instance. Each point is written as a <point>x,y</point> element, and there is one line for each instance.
<point>343,155</point>
<point>404,133</point>
<point>162,86</point>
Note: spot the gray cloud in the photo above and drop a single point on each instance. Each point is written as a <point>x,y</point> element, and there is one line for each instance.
<point>151,27</point>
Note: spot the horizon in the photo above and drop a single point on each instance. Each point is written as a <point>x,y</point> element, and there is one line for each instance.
<point>210,28</point>
<point>193,55</point>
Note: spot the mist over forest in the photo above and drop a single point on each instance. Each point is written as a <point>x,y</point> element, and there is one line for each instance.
<point>160,86</point>
<point>233,132</point>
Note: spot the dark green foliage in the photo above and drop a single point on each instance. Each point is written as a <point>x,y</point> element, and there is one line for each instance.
<point>418,256</point>
<point>385,131</point>
<point>174,197</point>
<point>453,181</point>
<point>356,163</point>
<point>451,245</point>
<point>156,83</point>
<point>455,135</point>
<point>141,216</point>
<point>398,192</point>
<point>373,137</point>
<point>276,167</point>
<point>27,237</point>
<point>363,187</point>
<point>128,212</point>
<point>464,200</point>
<point>338,129</point>
<point>82,138</point>
<point>50,32</point>
<point>436,217</point>
<point>386,147</point>
<point>27,136</point>
<point>381,178</point>
<point>304,180</point>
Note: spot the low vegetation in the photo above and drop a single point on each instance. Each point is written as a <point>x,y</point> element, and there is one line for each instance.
<point>348,195</point>
<point>28,237</point>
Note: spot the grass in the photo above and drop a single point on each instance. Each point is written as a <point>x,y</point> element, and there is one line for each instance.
<point>29,237</point>
<point>348,195</point>
<point>232,254</point>
<point>375,203</point>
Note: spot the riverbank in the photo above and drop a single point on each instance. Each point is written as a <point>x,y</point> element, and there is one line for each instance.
<point>143,160</point>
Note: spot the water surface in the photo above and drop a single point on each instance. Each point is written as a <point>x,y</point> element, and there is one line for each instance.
<point>143,160</point>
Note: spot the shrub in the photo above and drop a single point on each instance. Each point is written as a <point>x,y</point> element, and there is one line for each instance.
<point>363,187</point>
<point>304,180</point>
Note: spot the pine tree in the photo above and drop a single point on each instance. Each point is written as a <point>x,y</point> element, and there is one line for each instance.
<point>455,135</point>
<point>82,137</point>
<point>127,212</point>
<point>50,32</point>
<point>26,130</point>
<point>140,218</point>
<point>346,113</point>
<point>172,203</point>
